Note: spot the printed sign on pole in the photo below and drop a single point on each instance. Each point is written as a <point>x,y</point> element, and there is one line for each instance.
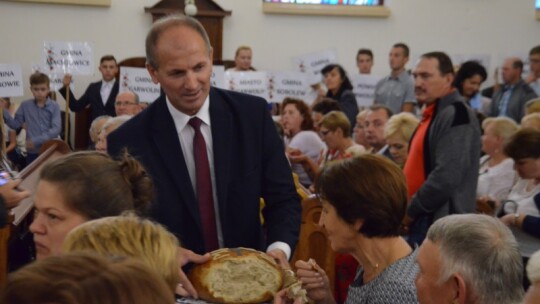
<point>76,58</point>
<point>364,89</point>
<point>313,63</point>
<point>218,76</point>
<point>11,83</point>
<point>253,83</point>
<point>138,80</point>
<point>287,84</point>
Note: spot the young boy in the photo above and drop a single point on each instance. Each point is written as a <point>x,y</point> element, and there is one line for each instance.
<point>40,116</point>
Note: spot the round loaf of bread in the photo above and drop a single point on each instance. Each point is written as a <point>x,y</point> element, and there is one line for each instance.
<point>238,275</point>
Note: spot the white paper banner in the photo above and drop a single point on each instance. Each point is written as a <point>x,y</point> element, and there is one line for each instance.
<point>364,88</point>
<point>288,84</point>
<point>11,83</point>
<point>254,83</point>
<point>76,58</point>
<point>313,63</point>
<point>138,80</point>
<point>56,80</point>
<point>218,77</point>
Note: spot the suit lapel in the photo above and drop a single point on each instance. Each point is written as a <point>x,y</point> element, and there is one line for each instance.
<point>221,124</point>
<point>169,149</point>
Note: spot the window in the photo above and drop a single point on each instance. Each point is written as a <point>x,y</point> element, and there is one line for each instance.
<point>368,8</point>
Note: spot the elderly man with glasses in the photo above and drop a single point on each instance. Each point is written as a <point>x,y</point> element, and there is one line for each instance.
<point>127,103</point>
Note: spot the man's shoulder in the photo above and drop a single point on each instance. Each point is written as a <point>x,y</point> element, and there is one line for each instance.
<point>454,108</point>
<point>382,80</point>
<point>526,88</point>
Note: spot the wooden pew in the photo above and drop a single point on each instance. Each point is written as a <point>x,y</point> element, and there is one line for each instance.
<point>312,243</point>
<point>22,215</point>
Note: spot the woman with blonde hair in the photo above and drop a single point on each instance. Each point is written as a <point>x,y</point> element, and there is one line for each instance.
<point>497,174</point>
<point>86,278</point>
<point>398,132</point>
<point>129,235</point>
<point>533,273</point>
<point>531,121</point>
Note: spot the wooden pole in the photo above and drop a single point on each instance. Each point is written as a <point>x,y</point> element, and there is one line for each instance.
<point>66,118</point>
<point>2,130</point>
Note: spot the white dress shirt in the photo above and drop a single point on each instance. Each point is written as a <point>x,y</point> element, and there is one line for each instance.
<point>106,88</point>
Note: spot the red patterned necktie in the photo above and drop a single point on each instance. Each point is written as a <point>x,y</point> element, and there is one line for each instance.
<point>204,187</point>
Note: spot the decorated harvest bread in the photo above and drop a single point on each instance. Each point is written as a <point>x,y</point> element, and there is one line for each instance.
<point>238,275</point>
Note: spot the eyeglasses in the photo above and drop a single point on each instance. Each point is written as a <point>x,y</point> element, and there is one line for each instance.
<point>123,103</point>
<point>324,133</point>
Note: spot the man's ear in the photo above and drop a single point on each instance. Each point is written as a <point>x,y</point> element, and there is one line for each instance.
<point>152,72</point>
<point>449,78</point>
<point>459,289</point>
<point>358,224</point>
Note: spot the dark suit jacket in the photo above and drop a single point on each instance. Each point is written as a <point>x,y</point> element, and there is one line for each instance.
<point>92,97</point>
<point>521,93</point>
<point>249,162</point>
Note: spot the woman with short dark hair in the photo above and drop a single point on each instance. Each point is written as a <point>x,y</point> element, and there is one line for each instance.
<point>340,89</point>
<point>468,80</point>
<point>521,207</point>
<point>364,200</point>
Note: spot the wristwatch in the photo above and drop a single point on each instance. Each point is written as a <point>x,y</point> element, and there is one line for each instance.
<point>516,216</point>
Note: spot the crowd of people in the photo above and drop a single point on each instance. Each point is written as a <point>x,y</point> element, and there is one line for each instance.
<point>400,183</point>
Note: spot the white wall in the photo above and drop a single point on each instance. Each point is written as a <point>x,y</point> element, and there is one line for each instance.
<point>495,27</point>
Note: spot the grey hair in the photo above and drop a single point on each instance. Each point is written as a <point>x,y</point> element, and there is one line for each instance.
<point>115,122</point>
<point>484,252</point>
<point>93,127</point>
<point>533,268</point>
<point>135,95</point>
<point>165,23</point>
<point>137,98</point>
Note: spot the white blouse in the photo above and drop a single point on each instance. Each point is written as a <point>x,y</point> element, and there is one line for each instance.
<point>497,181</point>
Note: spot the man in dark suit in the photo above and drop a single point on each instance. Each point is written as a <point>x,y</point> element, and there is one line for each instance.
<point>245,155</point>
<point>511,100</point>
<point>99,95</point>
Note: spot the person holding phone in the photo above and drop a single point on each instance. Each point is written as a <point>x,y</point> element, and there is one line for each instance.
<point>10,196</point>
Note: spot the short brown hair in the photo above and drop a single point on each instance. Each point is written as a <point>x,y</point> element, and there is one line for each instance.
<point>108,58</point>
<point>368,187</point>
<point>86,278</point>
<point>94,185</point>
<point>535,50</point>
<point>166,23</point>
<point>378,106</point>
<point>404,47</point>
<point>39,78</point>
<point>337,120</point>
<point>367,52</point>
<point>445,63</point>
<point>301,106</point>
<point>241,48</point>
<point>523,144</point>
